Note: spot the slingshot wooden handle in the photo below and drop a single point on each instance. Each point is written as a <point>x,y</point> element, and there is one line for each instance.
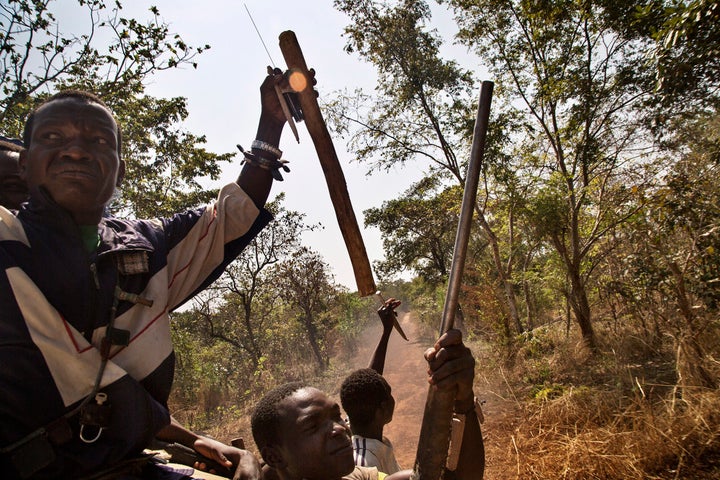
<point>331,168</point>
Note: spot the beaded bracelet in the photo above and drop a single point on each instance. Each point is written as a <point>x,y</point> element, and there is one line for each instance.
<point>266,147</point>
<point>271,164</point>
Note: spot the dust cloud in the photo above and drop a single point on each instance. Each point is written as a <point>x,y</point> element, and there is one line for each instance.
<point>406,372</point>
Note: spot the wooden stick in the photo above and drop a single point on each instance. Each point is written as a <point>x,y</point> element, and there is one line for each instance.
<point>331,168</point>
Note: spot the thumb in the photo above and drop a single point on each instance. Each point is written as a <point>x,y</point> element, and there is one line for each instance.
<point>222,459</point>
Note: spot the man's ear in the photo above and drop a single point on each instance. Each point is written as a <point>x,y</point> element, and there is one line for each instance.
<point>121,173</point>
<point>273,457</point>
<point>384,411</point>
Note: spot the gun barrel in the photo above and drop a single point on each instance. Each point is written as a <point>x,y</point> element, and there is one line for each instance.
<point>437,418</point>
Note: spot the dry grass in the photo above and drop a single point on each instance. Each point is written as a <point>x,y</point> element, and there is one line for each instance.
<point>580,436</point>
<point>600,417</point>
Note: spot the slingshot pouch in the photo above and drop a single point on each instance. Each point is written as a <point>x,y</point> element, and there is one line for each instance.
<point>37,453</point>
<point>32,456</point>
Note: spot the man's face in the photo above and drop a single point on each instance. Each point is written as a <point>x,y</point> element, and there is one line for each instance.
<point>73,154</point>
<point>315,441</point>
<point>13,190</point>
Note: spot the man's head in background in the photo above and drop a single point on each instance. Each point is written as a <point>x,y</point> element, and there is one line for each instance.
<point>13,190</point>
<point>367,399</point>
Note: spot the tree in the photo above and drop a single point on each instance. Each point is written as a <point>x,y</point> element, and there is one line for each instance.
<point>424,110</point>
<point>671,260</point>
<point>305,284</point>
<point>580,81</point>
<point>418,231</point>
<point>37,58</point>
<point>688,54</point>
<point>36,54</point>
<point>206,371</point>
<point>240,307</point>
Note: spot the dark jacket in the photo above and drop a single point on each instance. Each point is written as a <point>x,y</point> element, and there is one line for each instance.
<point>55,304</point>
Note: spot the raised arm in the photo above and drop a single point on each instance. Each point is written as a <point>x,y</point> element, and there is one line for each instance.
<point>451,365</point>
<point>254,179</point>
<point>387,315</point>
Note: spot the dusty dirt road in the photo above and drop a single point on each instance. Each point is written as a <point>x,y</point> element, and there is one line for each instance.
<point>406,371</point>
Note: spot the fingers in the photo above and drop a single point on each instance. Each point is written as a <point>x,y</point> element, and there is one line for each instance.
<point>388,315</point>
<point>438,358</point>
<point>313,81</point>
<point>390,305</point>
<point>222,459</point>
<point>451,368</point>
<point>387,312</point>
<point>274,75</point>
<point>430,354</point>
<point>448,339</point>
<point>248,467</point>
<point>450,362</point>
<point>451,337</point>
<point>202,466</point>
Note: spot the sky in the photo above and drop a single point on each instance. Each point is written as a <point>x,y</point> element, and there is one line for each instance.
<point>224,102</point>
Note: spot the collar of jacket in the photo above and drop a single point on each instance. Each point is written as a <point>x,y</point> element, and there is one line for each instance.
<point>115,234</point>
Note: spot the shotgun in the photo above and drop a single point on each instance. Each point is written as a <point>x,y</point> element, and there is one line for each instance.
<point>183,455</point>
<point>437,416</point>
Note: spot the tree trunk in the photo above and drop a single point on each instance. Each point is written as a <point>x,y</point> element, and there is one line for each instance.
<point>692,374</point>
<point>581,308</point>
<point>312,338</point>
<point>504,276</point>
<point>253,348</point>
<point>690,361</point>
<point>529,303</point>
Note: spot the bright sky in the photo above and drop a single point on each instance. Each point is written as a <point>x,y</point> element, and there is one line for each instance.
<point>224,103</point>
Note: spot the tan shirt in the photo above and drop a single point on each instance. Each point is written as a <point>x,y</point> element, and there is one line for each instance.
<point>365,473</point>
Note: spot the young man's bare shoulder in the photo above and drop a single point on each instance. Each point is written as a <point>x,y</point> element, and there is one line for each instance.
<point>371,473</point>
<point>364,473</point>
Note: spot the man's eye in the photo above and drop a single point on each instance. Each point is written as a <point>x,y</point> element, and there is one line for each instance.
<point>51,136</point>
<point>102,141</point>
<point>311,427</point>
